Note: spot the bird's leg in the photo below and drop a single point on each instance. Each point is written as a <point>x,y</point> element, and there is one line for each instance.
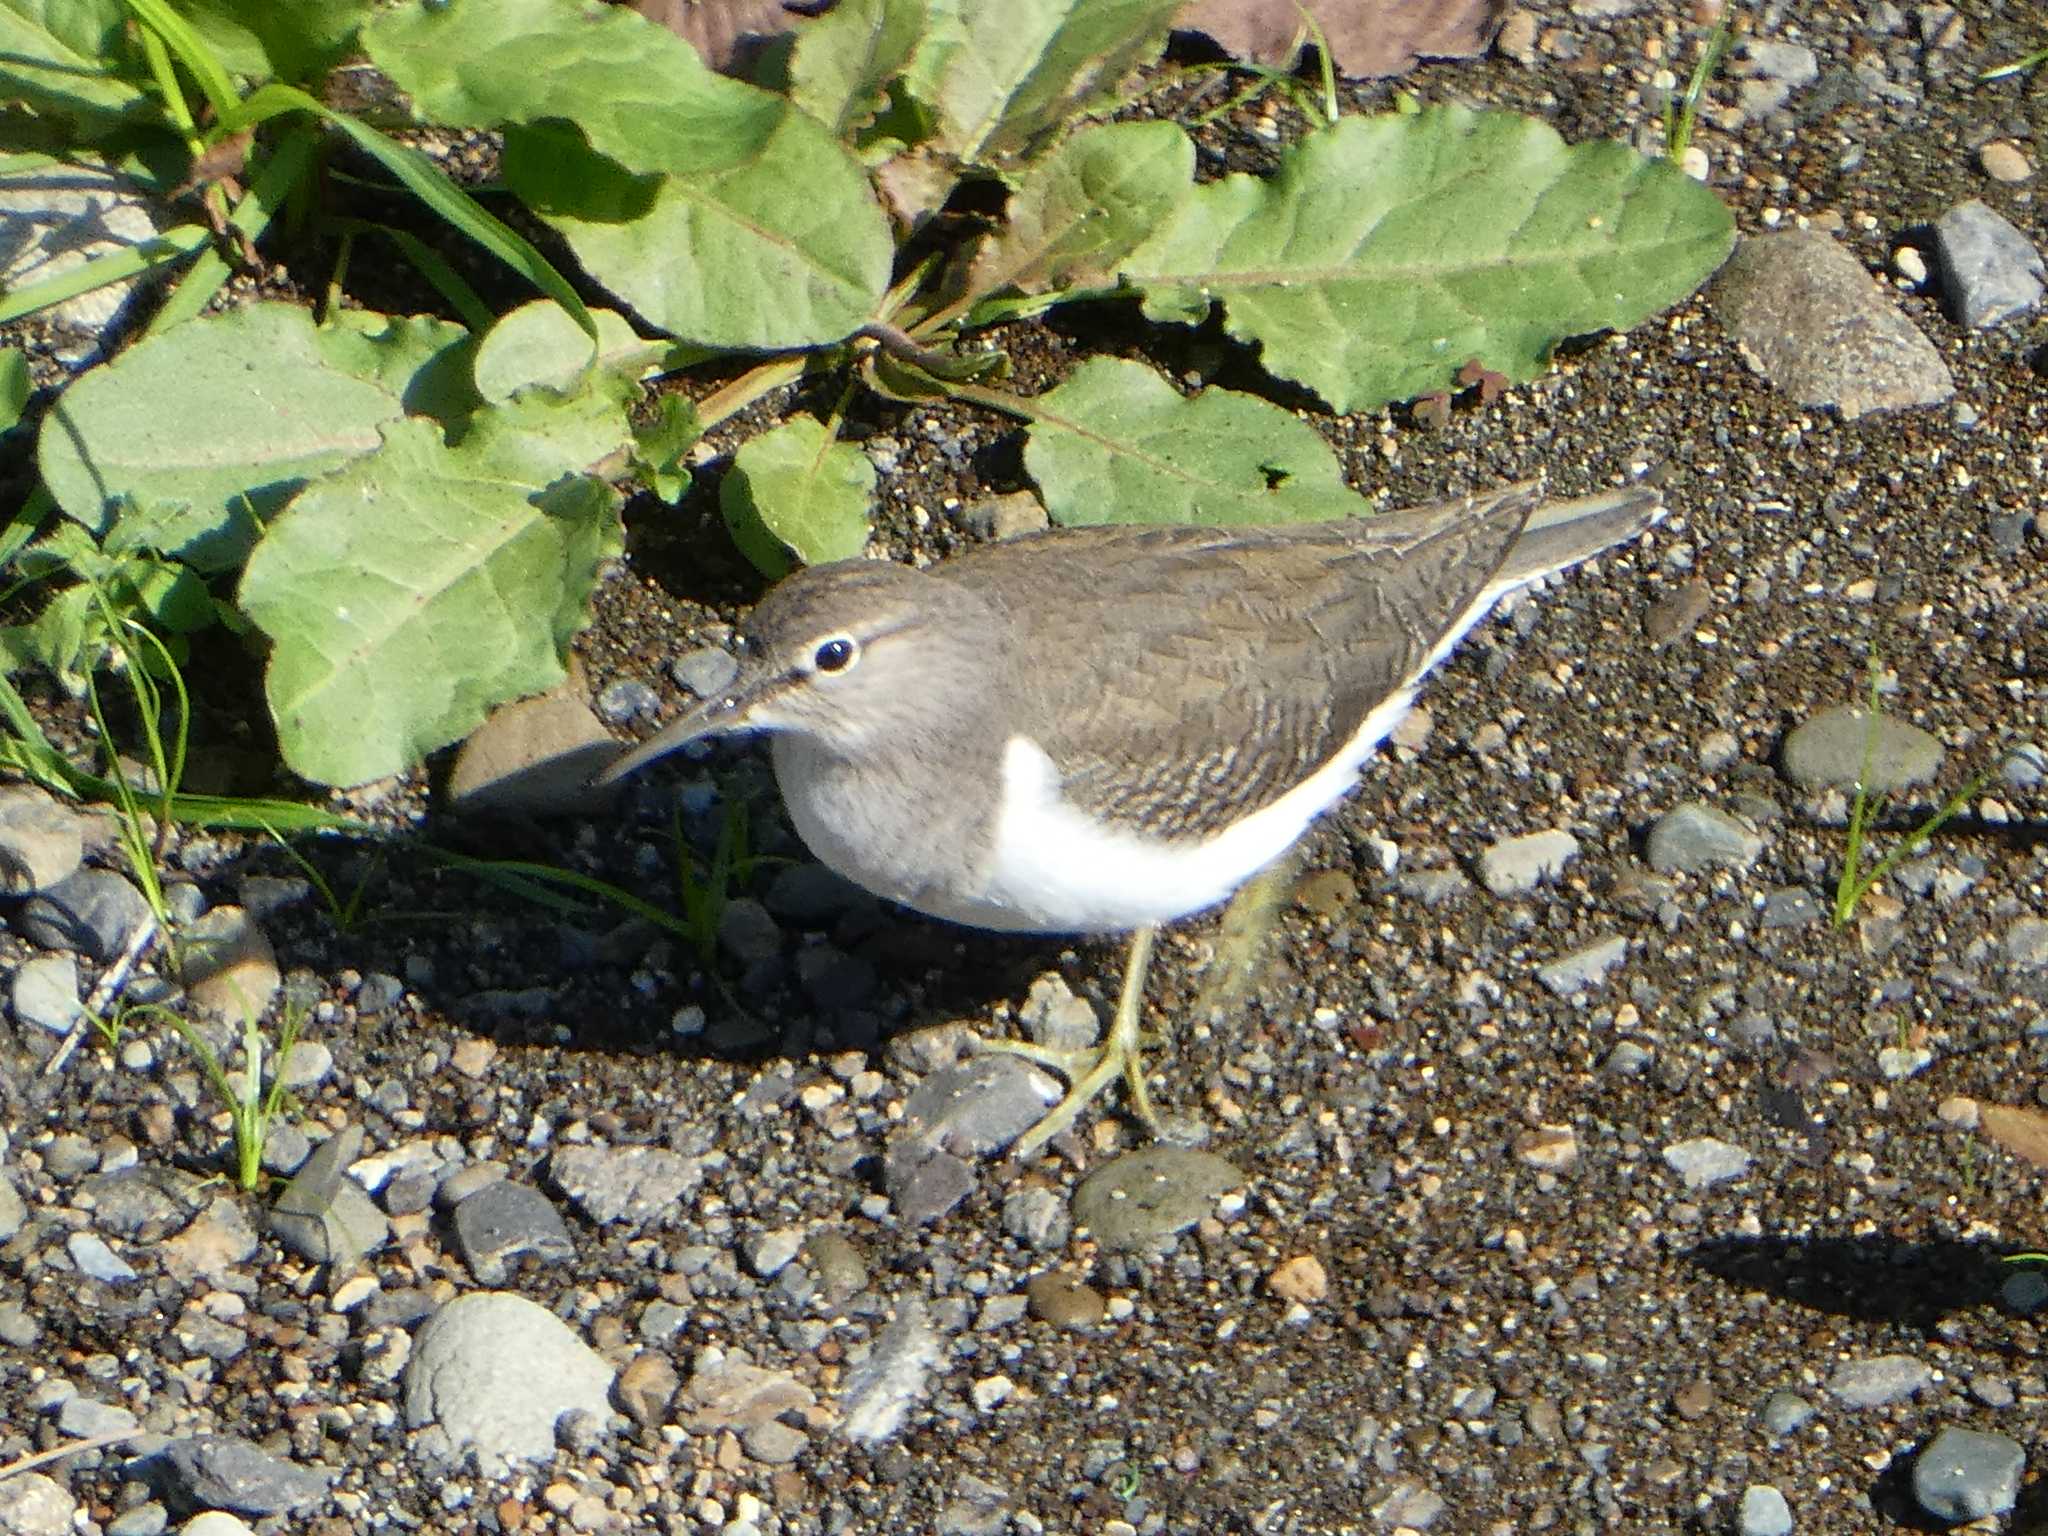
<point>1093,1068</point>
<point>1244,936</point>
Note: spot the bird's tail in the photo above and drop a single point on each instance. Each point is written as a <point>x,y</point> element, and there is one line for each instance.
<point>1560,534</point>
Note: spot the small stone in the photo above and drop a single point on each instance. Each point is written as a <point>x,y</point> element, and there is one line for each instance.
<point>1706,1161</point>
<point>1520,864</point>
<point>1694,1400</point>
<point>646,1387</point>
<point>1583,968</point>
<point>45,992</point>
<point>880,1390</point>
<point>810,895</point>
<point>1005,517</point>
<point>473,1055</point>
<point>1143,1198</point>
<point>1550,1148</point>
<point>1898,1062</point>
<point>148,1518</point>
<point>230,1473</point>
<point>1829,752</point>
<point>1301,1279</point>
<point>769,1253</point>
<point>748,932</point>
<point>773,1443</point>
<point>1789,906</point>
<point>1989,269</point>
<point>1055,1017</point>
<point>1037,1217</point>
<point>1064,1300</point>
<point>924,1181</point>
<point>1764,1512</point>
<point>639,1185</point>
<point>87,1418</point>
<point>1517,37</point>
<point>1695,836</point>
<point>2003,160</point>
<point>1966,1474</point>
<point>1432,887</point>
<point>228,967</point>
<point>505,1221</point>
<point>92,912</point>
<point>534,757</point>
<point>325,1216</point>
<point>497,1372</point>
<point>2026,944</point>
<point>34,1505</point>
<point>1882,1379</point>
<point>89,1251</point>
<point>1672,618</point>
<point>705,671</point>
<point>841,1269</point>
<point>41,841</point>
<point>627,699</point>
<point>979,1106</point>
<point>1783,1413</point>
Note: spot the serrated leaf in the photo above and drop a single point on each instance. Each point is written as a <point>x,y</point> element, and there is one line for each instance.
<point>538,343</point>
<point>2021,1131</point>
<point>411,591</point>
<point>422,359</point>
<point>660,445</point>
<point>1387,251</point>
<point>1116,443</point>
<point>60,56</point>
<point>716,210</point>
<point>1079,211</point>
<point>228,415</point>
<point>796,491</point>
<point>844,60</point>
<point>1003,79</point>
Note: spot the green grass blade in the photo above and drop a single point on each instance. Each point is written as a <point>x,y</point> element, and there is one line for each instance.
<point>114,267</point>
<point>444,279</point>
<point>192,51</point>
<point>285,166</point>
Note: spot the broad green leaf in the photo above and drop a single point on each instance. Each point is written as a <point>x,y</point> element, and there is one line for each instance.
<point>1116,443</point>
<point>1079,211</point>
<point>796,491</point>
<point>659,447</point>
<point>424,360</point>
<point>65,58</point>
<point>227,415</point>
<point>539,344</point>
<point>1388,251</point>
<point>844,60</point>
<point>14,386</point>
<point>1003,79</point>
<point>297,41</point>
<point>716,210</point>
<point>410,592</point>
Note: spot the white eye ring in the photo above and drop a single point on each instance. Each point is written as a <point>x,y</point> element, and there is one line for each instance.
<point>835,655</point>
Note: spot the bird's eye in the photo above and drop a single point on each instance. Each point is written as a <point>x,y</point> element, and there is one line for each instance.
<point>835,655</point>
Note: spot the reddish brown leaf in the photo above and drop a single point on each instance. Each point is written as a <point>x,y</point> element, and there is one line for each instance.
<point>1368,38</point>
<point>220,162</point>
<point>2022,1132</point>
<point>1433,411</point>
<point>726,33</point>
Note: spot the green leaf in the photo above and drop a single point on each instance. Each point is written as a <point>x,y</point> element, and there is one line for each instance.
<point>844,60</point>
<point>795,490</point>
<point>716,210</point>
<point>426,361</point>
<point>297,41</point>
<point>412,591</point>
<point>63,58</point>
<point>539,344</point>
<point>229,415</point>
<point>1002,79</point>
<point>659,447</point>
<point>15,386</point>
<point>193,52</point>
<point>1079,211</point>
<point>1386,252</point>
<point>1116,443</point>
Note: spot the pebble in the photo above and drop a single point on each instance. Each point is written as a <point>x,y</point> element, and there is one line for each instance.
<point>1807,317</point>
<point>13,1210</point>
<point>1881,1379</point>
<point>1828,752</point>
<point>324,1216</point>
<point>1695,836</point>
<point>2026,943</point>
<point>646,1387</point>
<point>1770,59</point>
<point>84,1418</point>
<point>496,1372</point>
<point>1519,864</point>
<point>306,1065</point>
<point>34,1505</point>
<point>379,993</point>
<point>841,1269</point>
<point>1054,1016</point>
<point>1300,1279</point>
<point>769,1253</point>
<point>1966,1474</point>
<point>2025,1290</point>
<point>881,1389</point>
<point>1432,887</point>
<point>1005,517</point>
<point>228,967</point>
<point>215,1522</point>
<point>505,1221</point>
<point>89,1251</point>
<point>2003,160</point>
<point>627,700</point>
<point>1789,906</point>
<point>1989,270</point>
<point>1064,1300</point>
<point>1550,1148</point>
<point>229,1473</point>
<point>1706,1161</point>
<point>1764,1512</point>
<point>1143,1198</point>
<point>1583,968</point>
<point>1628,1059</point>
<point>148,1518</point>
<point>52,226</point>
<point>42,842</point>
<point>811,896</point>
<point>45,992</point>
<point>979,1106</point>
<point>1673,617</point>
<point>707,670</point>
<point>1784,1412</point>
<point>631,1184</point>
<point>1037,1217</point>
<point>93,912</point>
<point>534,757</point>
<point>923,1181</point>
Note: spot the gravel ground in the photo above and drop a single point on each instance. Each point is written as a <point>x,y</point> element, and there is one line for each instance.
<point>1562,1167</point>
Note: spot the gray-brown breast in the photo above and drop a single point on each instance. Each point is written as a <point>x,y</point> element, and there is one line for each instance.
<point>1181,678</point>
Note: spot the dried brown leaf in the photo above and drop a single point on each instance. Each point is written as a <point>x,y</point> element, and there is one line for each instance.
<point>1368,39</point>
<point>727,34</point>
<point>2022,1132</point>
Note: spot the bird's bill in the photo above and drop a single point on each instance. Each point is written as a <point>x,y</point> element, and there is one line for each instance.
<point>714,716</point>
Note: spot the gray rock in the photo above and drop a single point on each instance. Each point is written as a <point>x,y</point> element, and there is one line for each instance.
<point>1518,864</point>
<point>1810,320</point>
<point>496,1371</point>
<point>2026,943</point>
<point>307,1065</point>
<point>1433,887</point>
<point>704,671</point>
<point>504,1221</point>
<point>148,1518</point>
<point>55,219</point>
<point>635,1184</point>
<point>769,1253</point>
<point>841,1269</point>
<point>45,992</point>
<point>1055,1017</point>
<point>1966,1474</point>
<point>534,757</point>
<point>881,1389</point>
<point>924,1181</point>
<point>1764,1512</point>
<point>1409,1505</point>
<point>67,1155</point>
<point>41,841</point>
<point>1583,968</point>
<point>627,699</point>
<point>1037,1217</point>
<point>33,1505</point>
<point>227,1472</point>
<point>126,1200</point>
<point>1706,1161</point>
<point>1881,1379</point>
<point>748,932</point>
<point>215,1522</point>
<point>2026,766</point>
<point>1789,906</point>
<point>810,895</point>
<point>979,1106</point>
<point>1783,1412</point>
<point>228,967</point>
<point>324,1216</point>
<point>1828,752</point>
<point>1696,836</point>
<point>92,912</point>
<point>2025,1290</point>
<point>1140,1200</point>
<point>1005,517</point>
<point>379,993</point>
<point>87,1418</point>
<point>94,1258</point>
<point>13,1210</point>
<point>774,1443</point>
<point>730,1392</point>
<point>1768,59</point>
<point>1989,270</point>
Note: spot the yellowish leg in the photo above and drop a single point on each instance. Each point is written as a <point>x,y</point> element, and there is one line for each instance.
<point>1094,1068</point>
<point>1248,924</point>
